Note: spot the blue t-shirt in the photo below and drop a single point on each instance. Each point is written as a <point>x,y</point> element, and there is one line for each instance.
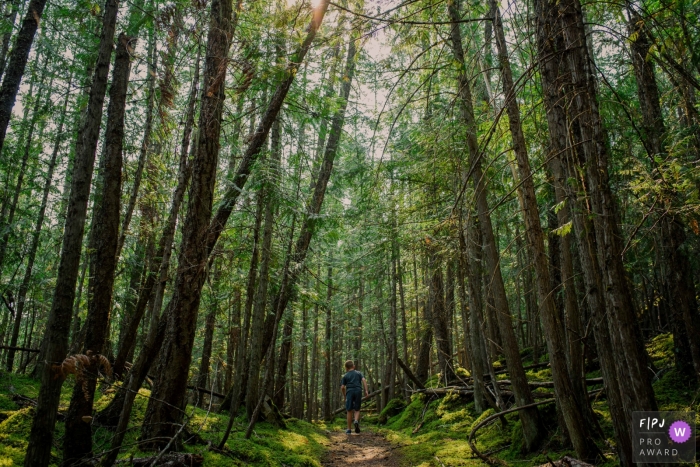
<point>352,380</point>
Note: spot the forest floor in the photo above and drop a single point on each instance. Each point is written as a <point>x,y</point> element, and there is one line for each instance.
<point>366,449</point>
<point>418,432</point>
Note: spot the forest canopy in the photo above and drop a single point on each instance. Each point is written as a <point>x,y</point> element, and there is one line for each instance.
<point>208,206</point>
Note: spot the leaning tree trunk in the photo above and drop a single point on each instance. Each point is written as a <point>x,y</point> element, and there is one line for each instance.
<point>24,287</point>
<point>77,442</point>
<point>532,431</point>
<point>571,404</point>
<point>18,61</point>
<point>58,326</point>
<point>11,8</point>
<point>6,224</point>
<point>159,265</point>
<point>163,414</point>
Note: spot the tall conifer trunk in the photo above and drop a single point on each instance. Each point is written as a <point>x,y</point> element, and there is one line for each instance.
<point>58,326</point>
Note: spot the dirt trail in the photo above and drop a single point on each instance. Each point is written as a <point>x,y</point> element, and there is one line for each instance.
<point>366,449</point>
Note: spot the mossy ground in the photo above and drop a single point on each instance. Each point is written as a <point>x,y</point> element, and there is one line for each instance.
<point>301,444</point>
<point>441,440</point>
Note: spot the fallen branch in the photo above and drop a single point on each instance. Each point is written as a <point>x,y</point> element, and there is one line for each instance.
<point>366,398</point>
<point>19,349</point>
<point>207,391</point>
<point>529,367</point>
<point>409,373</point>
<point>495,461</point>
<point>550,384</point>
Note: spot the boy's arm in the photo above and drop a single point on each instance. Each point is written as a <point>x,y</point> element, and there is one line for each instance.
<point>342,389</point>
<point>364,383</point>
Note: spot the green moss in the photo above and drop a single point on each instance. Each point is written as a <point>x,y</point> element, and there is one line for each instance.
<point>394,407</point>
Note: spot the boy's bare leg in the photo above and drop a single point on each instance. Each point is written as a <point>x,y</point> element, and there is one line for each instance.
<point>357,416</point>
<point>350,419</point>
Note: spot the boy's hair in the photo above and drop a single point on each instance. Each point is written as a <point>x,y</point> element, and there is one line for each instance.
<point>349,364</point>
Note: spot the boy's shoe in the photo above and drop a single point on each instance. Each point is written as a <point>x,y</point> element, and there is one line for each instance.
<point>348,432</point>
<point>357,426</point>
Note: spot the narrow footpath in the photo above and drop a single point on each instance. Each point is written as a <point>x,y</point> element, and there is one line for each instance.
<point>366,449</point>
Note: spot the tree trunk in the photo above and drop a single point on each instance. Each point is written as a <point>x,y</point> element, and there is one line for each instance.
<point>10,13</point>
<point>24,287</point>
<point>326,395</point>
<point>675,263</point>
<point>18,61</point>
<point>569,404</point>
<point>258,323</point>
<point>145,145</point>
<point>157,275</point>
<point>591,148</point>
<point>234,338</point>
<point>203,373</point>
<point>58,326</point>
<point>283,361</point>
<point>77,442</point>
<point>28,125</point>
<point>529,417</point>
<point>471,265</point>
<point>550,45</point>
<point>438,313</point>
<point>172,369</point>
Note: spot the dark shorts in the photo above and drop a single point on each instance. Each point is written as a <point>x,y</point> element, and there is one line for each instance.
<point>353,399</point>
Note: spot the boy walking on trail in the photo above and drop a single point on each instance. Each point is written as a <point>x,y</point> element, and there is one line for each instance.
<point>351,385</point>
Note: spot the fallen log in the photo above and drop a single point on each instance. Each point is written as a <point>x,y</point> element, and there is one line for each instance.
<point>550,384</point>
<point>18,349</point>
<point>495,461</point>
<point>207,391</point>
<point>366,398</point>
<point>462,391</point>
<point>529,367</point>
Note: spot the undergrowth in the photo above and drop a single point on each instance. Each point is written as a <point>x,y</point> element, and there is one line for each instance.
<point>301,445</point>
<point>426,432</point>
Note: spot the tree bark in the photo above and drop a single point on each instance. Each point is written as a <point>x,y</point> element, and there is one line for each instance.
<point>11,8</point>
<point>438,313</point>
<point>164,411</point>
<point>569,404</point>
<point>471,265</point>
<point>530,418</point>
<point>675,265</point>
<point>145,147</point>
<point>157,273</point>
<point>77,442</point>
<point>203,373</point>
<point>58,326</point>
<point>550,46</point>
<point>18,61</point>
<point>24,287</point>
<point>591,148</point>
